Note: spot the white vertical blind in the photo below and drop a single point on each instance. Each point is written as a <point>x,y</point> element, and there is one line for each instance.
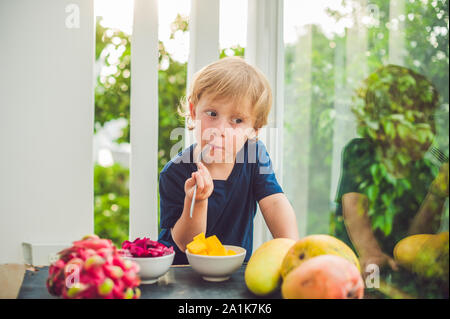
<point>265,50</point>
<point>356,70</point>
<point>144,121</point>
<point>203,41</point>
<point>298,117</point>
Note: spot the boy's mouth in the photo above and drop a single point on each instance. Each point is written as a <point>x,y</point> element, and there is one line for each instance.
<point>215,146</point>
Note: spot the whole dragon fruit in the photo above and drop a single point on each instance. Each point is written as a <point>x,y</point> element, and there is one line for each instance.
<point>93,268</point>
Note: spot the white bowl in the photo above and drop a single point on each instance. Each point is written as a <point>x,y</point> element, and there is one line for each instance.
<point>217,268</point>
<point>151,268</point>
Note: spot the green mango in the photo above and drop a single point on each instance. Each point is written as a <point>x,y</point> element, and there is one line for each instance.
<point>424,254</point>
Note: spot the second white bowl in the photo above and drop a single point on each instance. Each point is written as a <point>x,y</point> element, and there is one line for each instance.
<point>217,268</point>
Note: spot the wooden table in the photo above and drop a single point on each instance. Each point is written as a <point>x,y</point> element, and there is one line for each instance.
<point>180,282</point>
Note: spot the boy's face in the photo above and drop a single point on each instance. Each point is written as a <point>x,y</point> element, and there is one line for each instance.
<point>224,126</point>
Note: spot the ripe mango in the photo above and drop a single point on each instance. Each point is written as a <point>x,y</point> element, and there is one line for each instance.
<point>324,277</point>
<point>424,254</point>
<point>262,275</point>
<point>316,245</point>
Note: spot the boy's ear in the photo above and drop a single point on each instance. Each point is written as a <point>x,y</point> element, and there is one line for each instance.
<point>192,110</point>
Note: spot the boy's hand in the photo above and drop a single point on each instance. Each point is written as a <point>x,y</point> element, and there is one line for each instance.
<point>205,185</point>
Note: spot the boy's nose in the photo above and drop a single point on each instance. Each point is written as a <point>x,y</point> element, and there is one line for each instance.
<point>223,125</point>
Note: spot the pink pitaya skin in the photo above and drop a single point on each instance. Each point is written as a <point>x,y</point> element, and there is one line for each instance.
<point>94,244</point>
<point>104,262</point>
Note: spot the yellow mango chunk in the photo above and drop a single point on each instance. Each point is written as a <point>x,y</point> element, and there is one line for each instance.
<point>196,247</point>
<point>215,247</point>
<point>230,252</point>
<point>200,236</point>
<point>210,246</point>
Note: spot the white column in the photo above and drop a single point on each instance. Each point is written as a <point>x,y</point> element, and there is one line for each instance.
<point>144,121</point>
<point>46,124</point>
<point>265,50</point>
<point>203,41</point>
<point>356,70</point>
<point>397,32</point>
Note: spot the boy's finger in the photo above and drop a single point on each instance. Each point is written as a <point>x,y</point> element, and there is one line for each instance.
<point>200,166</point>
<point>208,178</point>
<point>190,182</point>
<point>200,181</point>
<point>205,173</point>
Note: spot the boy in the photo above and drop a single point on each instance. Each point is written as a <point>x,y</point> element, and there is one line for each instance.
<point>227,103</point>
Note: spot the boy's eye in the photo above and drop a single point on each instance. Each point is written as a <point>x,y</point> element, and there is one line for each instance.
<point>211,113</point>
<point>237,121</point>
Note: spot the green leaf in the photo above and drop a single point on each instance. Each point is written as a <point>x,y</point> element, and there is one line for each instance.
<point>378,222</point>
<point>389,129</point>
<point>404,159</point>
<point>403,131</point>
<point>372,192</point>
<point>387,199</point>
<point>405,183</point>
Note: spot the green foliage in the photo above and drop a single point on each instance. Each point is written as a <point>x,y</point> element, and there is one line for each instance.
<point>112,91</point>
<point>236,50</point>
<point>393,108</point>
<point>111,202</point>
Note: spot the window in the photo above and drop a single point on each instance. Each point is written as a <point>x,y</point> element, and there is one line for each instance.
<point>385,138</point>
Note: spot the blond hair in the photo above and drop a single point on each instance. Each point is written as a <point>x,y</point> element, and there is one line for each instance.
<point>234,80</point>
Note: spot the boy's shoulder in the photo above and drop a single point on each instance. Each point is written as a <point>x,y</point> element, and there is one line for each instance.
<point>179,161</point>
<point>257,151</point>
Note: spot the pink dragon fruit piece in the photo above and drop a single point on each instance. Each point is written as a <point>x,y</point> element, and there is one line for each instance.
<point>145,247</point>
<point>169,251</point>
<point>124,253</point>
<point>126,244</point>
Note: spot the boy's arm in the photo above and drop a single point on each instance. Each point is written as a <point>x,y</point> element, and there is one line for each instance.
<point>428,219</point>
<point>359,229</point>
<point>279,216</point>
<point>186,227</point>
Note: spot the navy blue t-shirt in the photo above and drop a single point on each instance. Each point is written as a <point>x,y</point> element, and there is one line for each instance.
<point>233,203</point>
